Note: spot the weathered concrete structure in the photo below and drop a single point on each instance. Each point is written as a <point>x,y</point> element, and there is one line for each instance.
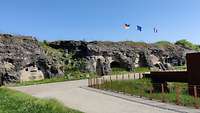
<point>127,54</point>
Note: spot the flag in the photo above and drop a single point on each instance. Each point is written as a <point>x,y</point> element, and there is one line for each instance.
<point>126,26</point>
<point>155,30</point>
<point>139,28</point>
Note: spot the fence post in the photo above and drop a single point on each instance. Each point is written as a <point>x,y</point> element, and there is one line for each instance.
<point>151,91</point>
<point>102,83</point>
<point>177,95</point>
<point>195,97</point>
<point>140,75</point>
<point>97,83</point>
<point>163,92</point>
<point>128,76</point>
<point>134,76</point>
<point>92,82</point>
<point>110,78</point>
<point>116,77</point>
<point>122,76</point>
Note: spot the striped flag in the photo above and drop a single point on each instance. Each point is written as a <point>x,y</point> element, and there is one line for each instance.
<point>126,26</point>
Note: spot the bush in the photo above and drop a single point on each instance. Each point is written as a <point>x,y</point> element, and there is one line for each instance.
<point>185,43</point>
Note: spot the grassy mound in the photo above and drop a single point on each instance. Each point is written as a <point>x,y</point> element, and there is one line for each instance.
<point>16,102</point>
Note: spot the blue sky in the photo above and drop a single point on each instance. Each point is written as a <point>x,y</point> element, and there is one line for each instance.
<point>102,19</point>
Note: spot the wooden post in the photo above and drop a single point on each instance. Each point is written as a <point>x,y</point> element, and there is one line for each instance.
<point>163,92</point>
<point>92,82</point>
<point>128,76</point>
<point>150,91</point>
<point>123,77</point>
<point>97,83</point>
<point>111,84</point>
<point>102,83</point>
<point>177,95</point>
<point>195,97</point>
<point>140,75</point>
<point>110,78</point>
<point>134,76</point>
<point>116,77</point>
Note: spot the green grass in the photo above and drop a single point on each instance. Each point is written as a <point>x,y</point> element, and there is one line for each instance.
<point>141,69</point>
<point>180,67</point>
<point>142,87</point>
<point>51,80</point>
<point>163,44</point>
<point>118,71</point>
<point>16,102</point>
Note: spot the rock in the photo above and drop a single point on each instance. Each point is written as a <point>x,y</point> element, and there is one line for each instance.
<point>126,55</point>
<point>20,52</point>
<point>22,58</point>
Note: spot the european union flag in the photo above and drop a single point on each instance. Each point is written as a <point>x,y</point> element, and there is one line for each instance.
<point>139,28</point>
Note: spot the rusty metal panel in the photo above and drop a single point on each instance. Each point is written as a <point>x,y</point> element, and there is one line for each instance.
<point>160,77</point>
<point>193,68</point>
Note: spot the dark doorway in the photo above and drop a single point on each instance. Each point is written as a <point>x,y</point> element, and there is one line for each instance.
<point>115,65</point>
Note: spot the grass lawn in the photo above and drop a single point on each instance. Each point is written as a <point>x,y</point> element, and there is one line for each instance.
<point>17,102</point>
<point>142,87</point>
<point>51,80</point>
<point>119,71</point>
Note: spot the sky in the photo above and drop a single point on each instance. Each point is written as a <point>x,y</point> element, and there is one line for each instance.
<point>102,19</point>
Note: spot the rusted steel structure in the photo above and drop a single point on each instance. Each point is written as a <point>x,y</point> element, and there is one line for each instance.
<point>191,76</point>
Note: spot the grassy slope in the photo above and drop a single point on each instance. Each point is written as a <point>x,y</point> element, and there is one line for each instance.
<point>16,102</point>
<point>142,87</point>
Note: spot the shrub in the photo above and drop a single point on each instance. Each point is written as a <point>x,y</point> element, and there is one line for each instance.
<point>185,43</point>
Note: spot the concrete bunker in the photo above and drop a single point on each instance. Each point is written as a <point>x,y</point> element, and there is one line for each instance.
<point>31,72</point>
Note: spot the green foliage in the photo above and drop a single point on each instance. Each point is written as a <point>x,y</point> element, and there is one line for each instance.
<point>138,44</point>
<point>71,66</point>
<point>187,44</point>
<point>45,42</point>
<point>180,67</point>
<point>16,102</point>
<point>141,69</point>
<point>141,87</point>
<point>50,80</point>
<point>163,44</point>
<point>118,71</point>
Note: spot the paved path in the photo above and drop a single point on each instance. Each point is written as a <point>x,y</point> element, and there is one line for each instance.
<point>73,95</point>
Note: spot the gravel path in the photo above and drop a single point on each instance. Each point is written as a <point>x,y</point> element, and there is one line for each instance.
<point>72,95</point>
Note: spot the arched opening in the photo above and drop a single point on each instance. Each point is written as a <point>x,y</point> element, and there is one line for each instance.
<point>115,65</point>
<point>118,67</point>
